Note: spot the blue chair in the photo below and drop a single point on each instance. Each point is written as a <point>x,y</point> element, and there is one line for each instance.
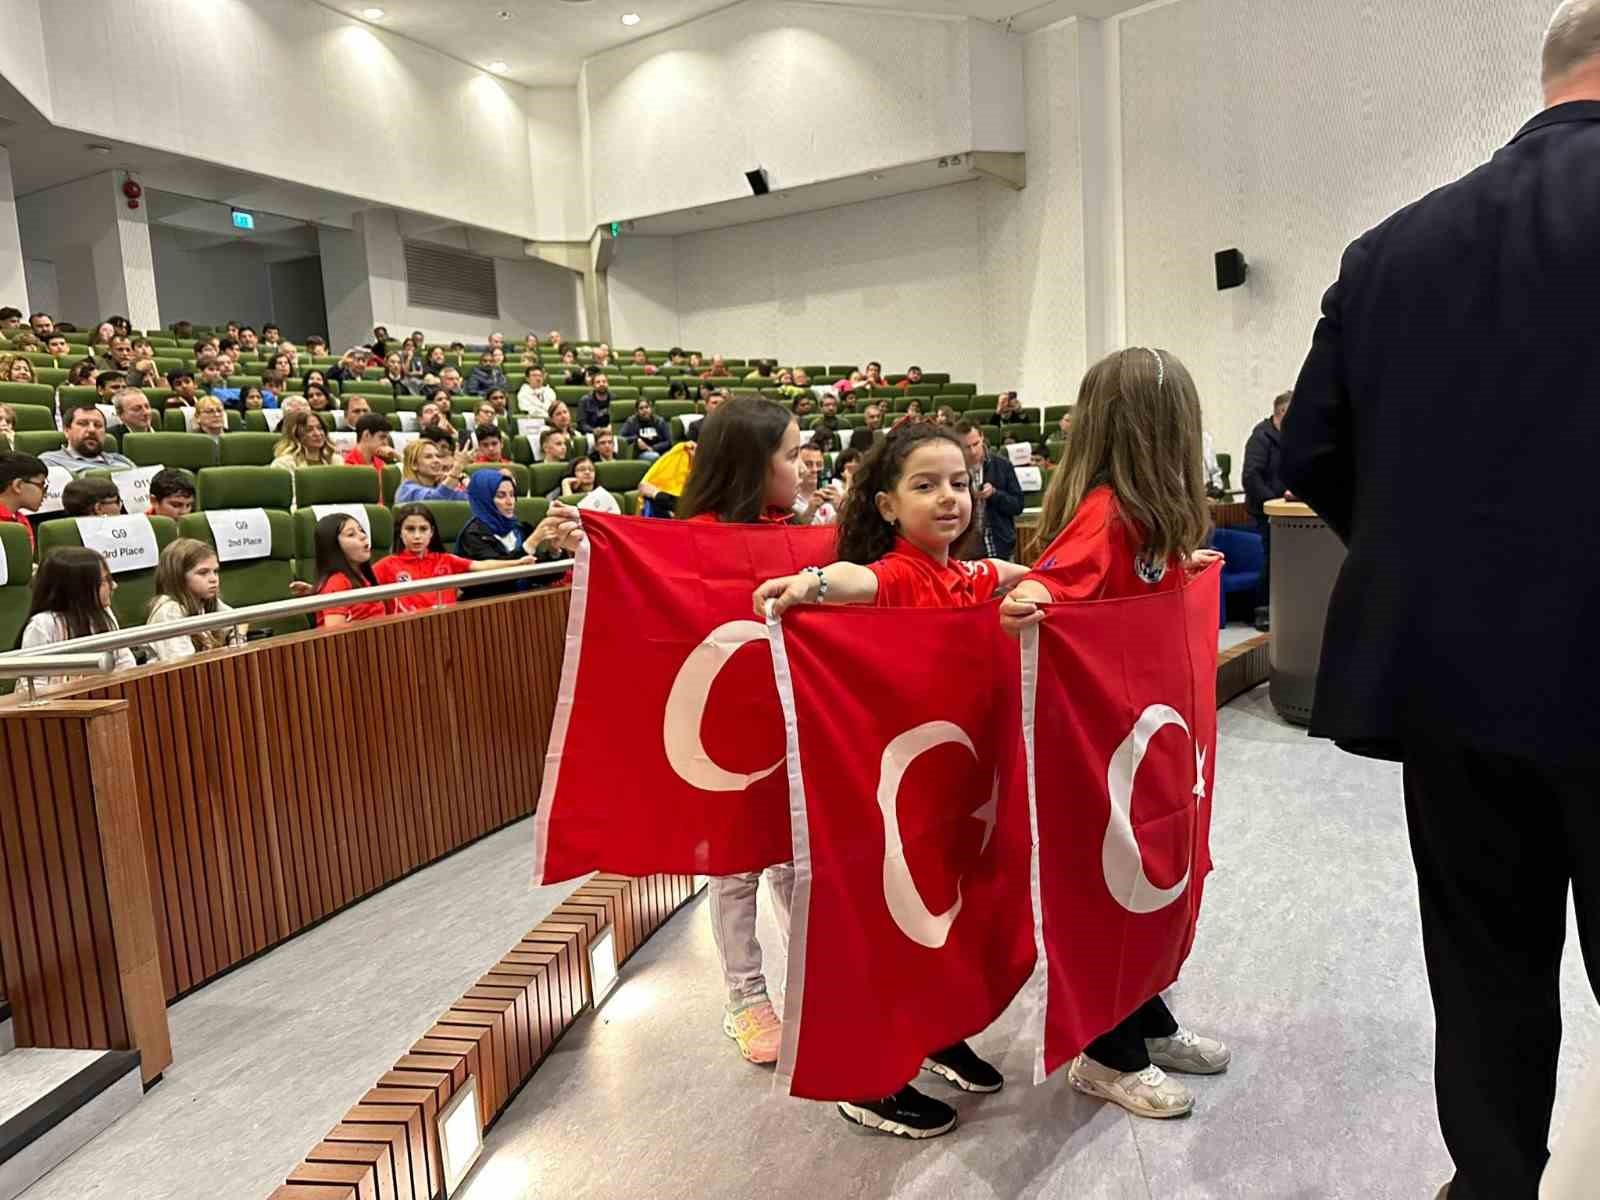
<point>1245,563</point>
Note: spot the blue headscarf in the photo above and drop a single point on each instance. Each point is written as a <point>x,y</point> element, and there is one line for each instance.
<point>480,496</point>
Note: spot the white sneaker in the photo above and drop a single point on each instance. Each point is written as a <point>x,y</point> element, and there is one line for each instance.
<point>1146,1093</point>
<point>1188,1053</point>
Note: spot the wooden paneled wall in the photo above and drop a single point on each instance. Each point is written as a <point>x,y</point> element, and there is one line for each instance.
<point>81,962</point>
<point>387,1145</point>
<point>282,781</point>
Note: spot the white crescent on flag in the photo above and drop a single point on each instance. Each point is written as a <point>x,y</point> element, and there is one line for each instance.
<point>686,708</point>
<point>1120,857</point>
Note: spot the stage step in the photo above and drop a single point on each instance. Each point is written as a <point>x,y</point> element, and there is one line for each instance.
<point>53,1101</point>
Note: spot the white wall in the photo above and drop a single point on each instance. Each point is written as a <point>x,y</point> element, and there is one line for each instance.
<point>1286,128</point>
<point>13,276</point>
<point>354,109</point>
<point>22,60</point>
<point>976,279</point>
<point>810,92</point>
<point>100,250</point>
<point>210,286</point>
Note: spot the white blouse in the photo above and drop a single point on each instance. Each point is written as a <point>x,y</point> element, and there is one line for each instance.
<point>173,648</point>
<point>46,629</point>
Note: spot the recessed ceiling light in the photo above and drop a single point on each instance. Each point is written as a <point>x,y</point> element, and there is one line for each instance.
<point>498,67</point>
<point>630,18</point>
<point>373,14</point>
<point>505,14</point>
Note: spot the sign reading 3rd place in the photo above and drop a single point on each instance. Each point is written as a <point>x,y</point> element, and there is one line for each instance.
<point>126,543</point>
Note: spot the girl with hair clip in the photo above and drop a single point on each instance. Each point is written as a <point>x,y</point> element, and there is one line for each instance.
<point>344,562</point>
<point>1126,515</point>
<point>422,556</point>
<point>189,584</point>
<point>71,599</point>
<point>909,504</point>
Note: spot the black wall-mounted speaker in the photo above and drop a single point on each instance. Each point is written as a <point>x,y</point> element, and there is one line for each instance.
<point>758,181</point>
<point>1231,269</point>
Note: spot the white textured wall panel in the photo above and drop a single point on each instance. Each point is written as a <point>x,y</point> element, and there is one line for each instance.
<point>644,294</point>
<point>1287,128</point>
<point>1032,240</point>
<point>305,93</point>
<point>810,92</point>
<point>208,287</point>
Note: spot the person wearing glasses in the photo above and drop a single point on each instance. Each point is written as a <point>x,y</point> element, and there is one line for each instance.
<point>23,479</point>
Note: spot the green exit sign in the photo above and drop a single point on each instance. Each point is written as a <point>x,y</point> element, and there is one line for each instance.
<point>616,229</point>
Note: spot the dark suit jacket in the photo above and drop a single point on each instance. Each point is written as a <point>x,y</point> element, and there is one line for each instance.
<point>1263,467</point>
<point>1446,425</point>
<point>998,514</point>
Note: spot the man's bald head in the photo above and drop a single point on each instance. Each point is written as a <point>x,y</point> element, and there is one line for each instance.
<point>1571,57</point>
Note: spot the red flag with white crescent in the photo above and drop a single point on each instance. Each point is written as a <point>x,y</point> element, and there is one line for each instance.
<point>1120,728</point>
<point>911,927</point>
<point>667,749</point>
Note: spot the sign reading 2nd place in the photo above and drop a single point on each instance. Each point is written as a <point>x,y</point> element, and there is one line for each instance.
<point>240,533</point>
<point>126,543</point>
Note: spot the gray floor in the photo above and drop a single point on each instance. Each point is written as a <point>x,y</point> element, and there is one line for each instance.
<point>1308,962</point>
<point>267,1059</point>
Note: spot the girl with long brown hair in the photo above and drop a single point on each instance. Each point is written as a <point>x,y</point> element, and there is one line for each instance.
<point>1126,515</point>
<point>189,584</point>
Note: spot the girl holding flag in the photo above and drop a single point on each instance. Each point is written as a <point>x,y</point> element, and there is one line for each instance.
<point>1126,515</point>
<point>909,503</point>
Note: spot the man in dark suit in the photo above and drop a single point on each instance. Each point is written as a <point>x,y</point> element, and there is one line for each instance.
<point>1446,425</point>
<point>1263,481</point>
<point>996,499</point>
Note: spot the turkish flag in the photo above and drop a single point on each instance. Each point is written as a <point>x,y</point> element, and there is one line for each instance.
<point>1120,726</point>
<point>911,927</point>
<point>666,753</point>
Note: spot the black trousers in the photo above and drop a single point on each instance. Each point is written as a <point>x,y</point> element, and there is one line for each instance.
<point>1496,840</point>
<point>1264,592</point>
<point>1123,1048</point>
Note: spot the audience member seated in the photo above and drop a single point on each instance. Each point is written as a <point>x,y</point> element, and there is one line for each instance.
<point>450,381</point>
<point>108,384</point>
<point>253,398</point>
<point>435,415</point>
<point>642,363</point>
<point>134,414</point>
<point>71,599</point>
<point>815,503</point>
<point>714,399</point>
<point>844,470</point>
<point>394,375</point>
<point>488,445</point>
<point>761,373</point>
<point>594,411</point>
<point>913,375</point>
<point>344,563</point>
<point>945,415</point>
<point>495,535</point>
<point>316,345</point>
<point>189,584</point>
<point>487,414</point>
<point>554,446</point>
<point>56,346</point>
<point>81,373</point>
<point>433,365</point>
<point>580,483</point>
<point>860,440</point>
<point>827,406</point>
<point>605,445</point>
<point>825,434</point>
<point>185,391</point>
<point>351,367</point>
<point>573,374</point>
<point>85,431</point>
<point>372,448</point>
<point>648,434</point>
<point>1008,411</point>
<point>210,418</point>
<point>872,376</point>
<point>119,355</point>
<point>411,359</point>
<point>143,372</point>
<point>486,376</point>
<point>15,369</point>
<point>8,427</point>
<point>804,406</point>
<point>601,356</point>
<point>355,407</point>
<point>10,320</point>
<point>535,397</point>
<point>23,480</point>
<point>271,335</point>
<point>556,341</point>
<point>421,555</point>
<point>318,398</point>
<point>561,418</point>
<point>718,368</point>
<point>428,472</point>
<point>302,442</point>
<point>1064,425</point>
<point>171,493</point>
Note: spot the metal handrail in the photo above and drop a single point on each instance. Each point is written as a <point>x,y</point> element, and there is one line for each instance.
<point>139,635</point>
<point>22,664</point>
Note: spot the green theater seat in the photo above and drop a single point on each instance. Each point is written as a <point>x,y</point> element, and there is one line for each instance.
<point>246,487</point>
<point>38,441</point>
<point>18,554</point>
<point>544,478</point>
<point>34,417</point>
<point>619,477</point>
<point>335,485</point>
<point>191,451</point>
<point>379,521</point>
<point>135,589</point>
<point>451,516</point>
<point>38,395</point>
<point>533,510</point>
<point>255,580</point>
<point>248,449</point>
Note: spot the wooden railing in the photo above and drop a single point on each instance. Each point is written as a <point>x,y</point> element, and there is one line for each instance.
<point>279,782</point>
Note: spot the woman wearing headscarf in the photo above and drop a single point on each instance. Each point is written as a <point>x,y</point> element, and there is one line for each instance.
<point>495,533</point>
